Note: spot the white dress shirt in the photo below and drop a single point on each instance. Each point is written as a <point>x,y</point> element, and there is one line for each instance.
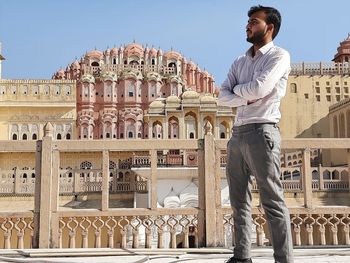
<point>262,78</point>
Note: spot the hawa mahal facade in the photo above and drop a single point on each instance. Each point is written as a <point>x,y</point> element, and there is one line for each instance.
<point>137,92</point>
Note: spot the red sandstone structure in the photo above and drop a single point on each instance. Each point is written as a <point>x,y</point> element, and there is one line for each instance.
<point>116,87</point>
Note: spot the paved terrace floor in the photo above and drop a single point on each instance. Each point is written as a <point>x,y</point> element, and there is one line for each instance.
<point>259,255</point>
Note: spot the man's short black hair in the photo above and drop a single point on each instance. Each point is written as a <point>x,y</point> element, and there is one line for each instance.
<point>272,17</point>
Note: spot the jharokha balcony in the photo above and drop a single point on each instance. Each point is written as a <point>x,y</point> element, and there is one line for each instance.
<point>54,205</point>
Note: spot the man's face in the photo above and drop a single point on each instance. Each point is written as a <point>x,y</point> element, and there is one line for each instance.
<point>256,27</point>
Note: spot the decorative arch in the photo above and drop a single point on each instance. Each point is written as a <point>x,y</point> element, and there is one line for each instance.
<point>173,66</point>
<point>223,130</point>
<point>157,130</point>
<point>191,125</point>
<point>130,128</point>
<point>173,128</point>
<point>293,88</point>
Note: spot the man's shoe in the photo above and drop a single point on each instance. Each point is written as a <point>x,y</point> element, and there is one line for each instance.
<point>237,260</point>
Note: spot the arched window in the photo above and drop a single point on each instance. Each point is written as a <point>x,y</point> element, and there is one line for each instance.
<point>114,61</point>
<point>24,137</point>
<point>68,136</point>
<point>34,136</point>
<point>173,129</point>
<point>173,65</point>
<point>153,62</point>
<point>130,128</point>
<point>85,132</point>
<point>153,90</point>
<point>108,135</point>
<point>134,62</point>
<point>14,137</point>
<point>190,125</point>
<point>59,136</point>
<point>293,88</point>
<point>157,130</point>
<point>223,127</point>
<point>131,90</point>
<point>95,64</point>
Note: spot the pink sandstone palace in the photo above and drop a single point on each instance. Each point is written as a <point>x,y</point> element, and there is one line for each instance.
<point>115,89</point>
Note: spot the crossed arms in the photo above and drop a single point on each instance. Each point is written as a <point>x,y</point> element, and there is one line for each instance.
<point>235,94</point>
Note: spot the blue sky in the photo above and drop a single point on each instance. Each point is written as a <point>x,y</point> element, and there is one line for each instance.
<point>40,36</point>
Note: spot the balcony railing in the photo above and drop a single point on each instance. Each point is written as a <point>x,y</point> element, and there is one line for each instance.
<point>321,68</point>
<point>98,71</point>
<point>209,224</point>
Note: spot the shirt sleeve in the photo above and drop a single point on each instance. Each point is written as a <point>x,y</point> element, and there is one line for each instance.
<point>263,83</point>
<point>226,96</point>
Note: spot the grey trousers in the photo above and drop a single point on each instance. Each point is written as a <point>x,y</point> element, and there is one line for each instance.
<point>254,149</point>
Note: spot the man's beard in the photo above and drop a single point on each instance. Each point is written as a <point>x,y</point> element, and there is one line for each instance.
<point>257,37</point>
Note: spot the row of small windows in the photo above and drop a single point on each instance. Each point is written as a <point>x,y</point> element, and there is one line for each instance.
<point>328,83</point>
<point>293,89</point>
<point>35,136</point>
<point>131,92</point>
<point>24,90</point>
<point>29,131</point>
<point>337,89</point>
<point>134,63</point>
<point>328,97</point>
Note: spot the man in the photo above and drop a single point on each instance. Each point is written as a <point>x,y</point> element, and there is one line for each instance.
<point>255,85</point>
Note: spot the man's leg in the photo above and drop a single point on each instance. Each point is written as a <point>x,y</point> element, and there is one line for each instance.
<point>263,153</point>
<point>238,179</point>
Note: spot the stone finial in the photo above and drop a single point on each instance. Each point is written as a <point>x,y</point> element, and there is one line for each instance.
<point>208,128</point>
<point>48,130</point>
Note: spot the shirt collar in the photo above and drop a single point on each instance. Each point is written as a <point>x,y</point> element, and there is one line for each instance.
<point>263,50</point>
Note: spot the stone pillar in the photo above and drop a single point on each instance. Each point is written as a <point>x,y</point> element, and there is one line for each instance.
<point>165,128</point>
<point>150,130</point>
<point>43,190</point>
<point>207,228</point>
<point>17,181</point>
<point>219,217</point>
<point>182,128</point>
<point>76,182</point>
<point>199,129</point>
<point>153,180</point>
<point>54,242</point>
<point>201,193</point>
<point>307,178</point>
<point>349,168</point>
<point>105,180</point>
<point>320,179</point>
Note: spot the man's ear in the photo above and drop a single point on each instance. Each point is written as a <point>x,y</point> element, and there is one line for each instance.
<point>270,27</point>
